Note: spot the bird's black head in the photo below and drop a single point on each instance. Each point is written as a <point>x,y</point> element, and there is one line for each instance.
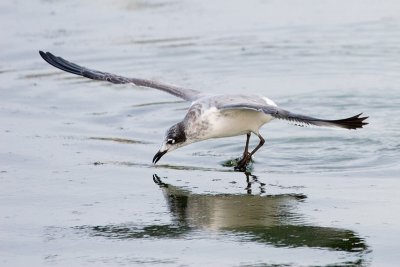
<point>175,137</point>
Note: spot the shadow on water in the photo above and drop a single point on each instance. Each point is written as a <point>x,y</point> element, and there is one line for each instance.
<point>264,219</point>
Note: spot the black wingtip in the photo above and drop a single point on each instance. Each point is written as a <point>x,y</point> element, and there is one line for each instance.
<point>44,56</point>
<point>61,63</point>
<point>352,123</point>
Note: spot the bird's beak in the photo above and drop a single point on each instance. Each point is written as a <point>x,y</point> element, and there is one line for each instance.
<point>158,156</point>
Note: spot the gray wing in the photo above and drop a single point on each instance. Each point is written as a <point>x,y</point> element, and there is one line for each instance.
<point>354,122</point>
<point>62,64</point>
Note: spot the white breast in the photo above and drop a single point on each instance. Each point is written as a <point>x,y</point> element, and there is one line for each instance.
<point>205,120</point>
<point>233,122</point>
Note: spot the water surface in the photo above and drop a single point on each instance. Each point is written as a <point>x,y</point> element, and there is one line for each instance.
<point>77,183</point>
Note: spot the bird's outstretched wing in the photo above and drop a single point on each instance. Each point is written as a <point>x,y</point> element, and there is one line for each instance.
<point>354,122</point>
<point>62,64</point>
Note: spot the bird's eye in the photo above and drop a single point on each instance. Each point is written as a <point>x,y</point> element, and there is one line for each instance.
<point>171,141</point>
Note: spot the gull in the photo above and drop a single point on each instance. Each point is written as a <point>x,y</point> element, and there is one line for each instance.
<point>212,115</point>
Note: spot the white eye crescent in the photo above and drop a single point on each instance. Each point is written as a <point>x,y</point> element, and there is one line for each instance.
<point>171,141</point>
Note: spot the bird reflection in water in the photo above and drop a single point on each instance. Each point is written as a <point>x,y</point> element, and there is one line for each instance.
<point>268,219</point>
<point>229,211</point>
<point>251,179</point>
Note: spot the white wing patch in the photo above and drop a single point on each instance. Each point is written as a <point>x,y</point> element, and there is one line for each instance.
<point>269,101</point>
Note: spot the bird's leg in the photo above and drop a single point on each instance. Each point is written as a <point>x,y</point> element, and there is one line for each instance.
<point>262,141</point>
<point>246,155</point>
<point>246,149</point>
<point>241,166</point>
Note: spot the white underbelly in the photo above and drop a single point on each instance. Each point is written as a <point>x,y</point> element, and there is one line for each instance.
<point>235,122</point>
